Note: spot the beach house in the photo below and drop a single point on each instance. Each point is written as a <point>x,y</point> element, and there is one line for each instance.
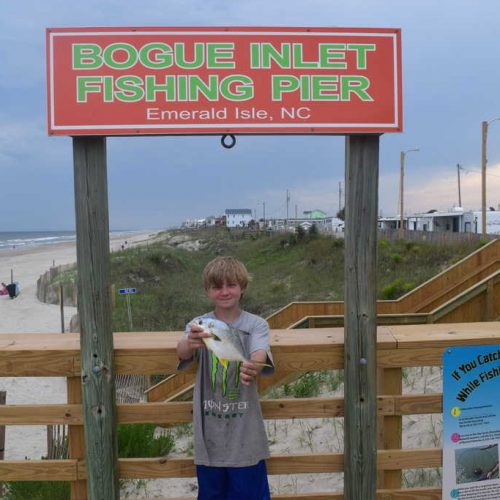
<point>238,217</point>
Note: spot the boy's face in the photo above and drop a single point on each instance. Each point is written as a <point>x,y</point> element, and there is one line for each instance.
<point>226,296</point>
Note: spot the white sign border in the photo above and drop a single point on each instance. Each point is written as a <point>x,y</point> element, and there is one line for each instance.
<point>131,127</point>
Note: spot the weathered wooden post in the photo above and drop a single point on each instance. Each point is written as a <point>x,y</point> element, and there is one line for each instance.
<point>3,399</point>
<point>61,305</point>
<point>360,438</point>
<point>94,309</point>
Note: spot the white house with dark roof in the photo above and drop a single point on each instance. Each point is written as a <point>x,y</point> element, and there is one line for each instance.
<point>238,217</point>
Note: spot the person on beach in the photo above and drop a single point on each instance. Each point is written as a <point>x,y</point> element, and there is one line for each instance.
<point>12,289</point>
<point>3,290</point>
<point>230,441</point>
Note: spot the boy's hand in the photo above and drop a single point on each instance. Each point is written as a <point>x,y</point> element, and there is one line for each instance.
<point>248,372</point>
<point>195,337</point>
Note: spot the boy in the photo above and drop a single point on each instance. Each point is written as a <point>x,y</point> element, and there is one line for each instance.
<point>230,441</point>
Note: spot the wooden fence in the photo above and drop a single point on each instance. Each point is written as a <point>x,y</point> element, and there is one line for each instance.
<point>36,355</point>
<point>438,237</point>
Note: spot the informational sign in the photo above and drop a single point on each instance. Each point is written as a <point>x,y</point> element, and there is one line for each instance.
<point>127,291</point>
<point>130,81</point>
<point>471,422</point>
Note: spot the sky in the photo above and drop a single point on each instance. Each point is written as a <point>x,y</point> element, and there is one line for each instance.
<point>451,82</point>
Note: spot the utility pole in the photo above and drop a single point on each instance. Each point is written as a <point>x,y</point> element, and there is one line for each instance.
<point>401,189</point>
<point>484,135</point>
<point>287,203</point>
<point>484,161</point>
<point>459,193</point>
<point>340,196</point>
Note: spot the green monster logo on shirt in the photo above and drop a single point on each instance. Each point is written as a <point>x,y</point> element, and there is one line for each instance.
<point>214,369</point>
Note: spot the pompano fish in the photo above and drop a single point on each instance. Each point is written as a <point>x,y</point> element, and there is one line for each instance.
<point>225,341</point>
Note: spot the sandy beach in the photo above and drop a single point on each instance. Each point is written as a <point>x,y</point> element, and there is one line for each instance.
<point>26,314</point>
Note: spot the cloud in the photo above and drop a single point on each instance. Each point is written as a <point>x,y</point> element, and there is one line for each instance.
<point>441,191</point>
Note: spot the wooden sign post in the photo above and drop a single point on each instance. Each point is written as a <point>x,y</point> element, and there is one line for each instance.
<point>360,389</point>
<point>94,308</point>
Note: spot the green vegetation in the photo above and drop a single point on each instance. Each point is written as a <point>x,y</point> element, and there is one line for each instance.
<point>140,441</point>
<point>37,490</point>
<point>302,266</point>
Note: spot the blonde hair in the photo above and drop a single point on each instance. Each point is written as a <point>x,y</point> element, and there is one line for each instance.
<point>225,270</point>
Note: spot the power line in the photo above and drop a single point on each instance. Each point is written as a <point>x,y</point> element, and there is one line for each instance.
<point>468,170</point>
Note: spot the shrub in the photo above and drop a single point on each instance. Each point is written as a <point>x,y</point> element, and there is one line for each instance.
<point>139,441</point>
<point>313,232</point>
<point>37,490</point>
<point>306,386</point>
<point>396,258</point>
<point>395,289</point>
<point>301,233</point>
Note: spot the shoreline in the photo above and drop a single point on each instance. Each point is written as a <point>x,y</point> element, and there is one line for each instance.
<point>113,238</point>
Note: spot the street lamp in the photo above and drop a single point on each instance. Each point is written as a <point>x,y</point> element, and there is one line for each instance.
<point>484,160</point>
<point>401,189</point>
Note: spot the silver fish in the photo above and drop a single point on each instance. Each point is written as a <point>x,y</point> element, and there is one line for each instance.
<point>225,341</point>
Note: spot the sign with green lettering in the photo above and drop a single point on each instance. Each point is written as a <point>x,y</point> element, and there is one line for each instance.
<point>127,81</point>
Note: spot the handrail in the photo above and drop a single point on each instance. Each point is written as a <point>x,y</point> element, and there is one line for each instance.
<point>337,320</point>
<point>474,263</point>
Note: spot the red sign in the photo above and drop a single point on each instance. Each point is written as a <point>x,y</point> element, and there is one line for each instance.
<point>128,81</point>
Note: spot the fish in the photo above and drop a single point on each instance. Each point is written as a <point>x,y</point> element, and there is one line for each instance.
<point>225,341</point>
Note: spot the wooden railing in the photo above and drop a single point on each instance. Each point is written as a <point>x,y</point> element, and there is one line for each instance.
<point>147,353</point>
<point>424,298</point>
<point>481,302</point>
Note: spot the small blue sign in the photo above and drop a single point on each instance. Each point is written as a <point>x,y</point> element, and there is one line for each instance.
<point>125,291</point>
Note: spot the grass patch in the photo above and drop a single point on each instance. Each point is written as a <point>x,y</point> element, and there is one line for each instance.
<point>37,490</point>
<point>140,441</point>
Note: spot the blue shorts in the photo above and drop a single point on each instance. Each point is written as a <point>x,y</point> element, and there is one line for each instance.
<point>233,483</point>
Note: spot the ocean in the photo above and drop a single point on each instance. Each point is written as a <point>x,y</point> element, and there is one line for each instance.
<point>29,239</point>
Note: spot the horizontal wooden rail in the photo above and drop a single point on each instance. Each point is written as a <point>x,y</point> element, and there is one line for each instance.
<point>164,467</point>
<point>310,349</point>
<point>181,412</point>
<point>42,470</point>
<point>337,320</point>
<point>433,316</point>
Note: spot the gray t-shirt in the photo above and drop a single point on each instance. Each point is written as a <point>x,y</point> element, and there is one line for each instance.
<point>228,425</point>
